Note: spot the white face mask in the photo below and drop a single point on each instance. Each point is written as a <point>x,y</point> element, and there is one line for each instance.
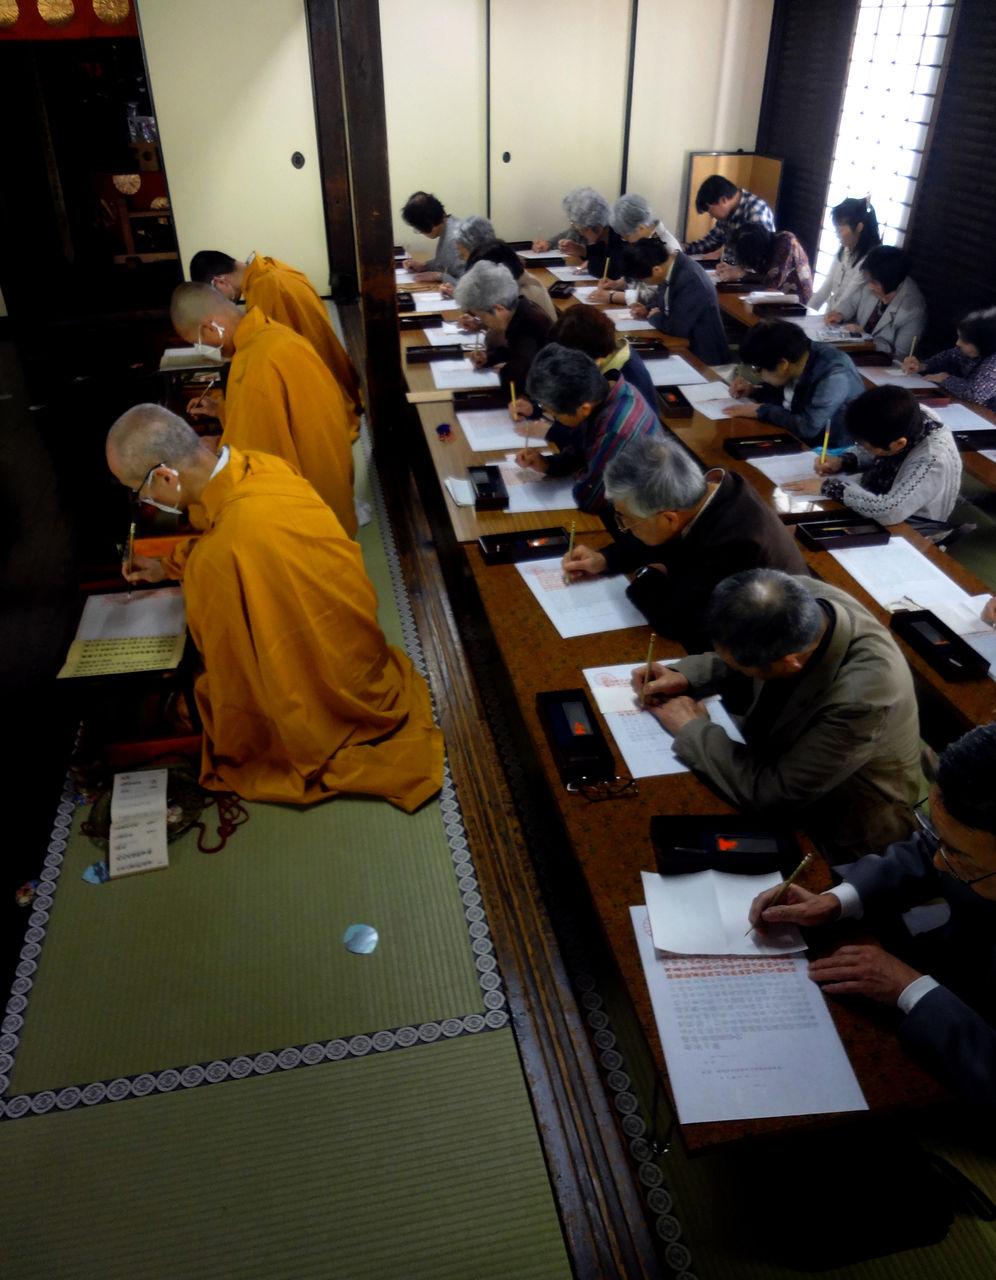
<point>205,349</point>
<point>164,506</point>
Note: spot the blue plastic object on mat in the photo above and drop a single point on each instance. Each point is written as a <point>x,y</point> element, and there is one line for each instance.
<point>361,939</point>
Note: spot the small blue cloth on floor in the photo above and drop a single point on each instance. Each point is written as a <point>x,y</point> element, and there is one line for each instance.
<point>361,939</point>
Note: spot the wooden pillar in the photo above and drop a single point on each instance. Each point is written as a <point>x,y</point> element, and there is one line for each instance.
<point>352,132</point>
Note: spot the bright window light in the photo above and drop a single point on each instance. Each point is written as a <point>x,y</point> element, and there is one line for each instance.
<point>892,78</point>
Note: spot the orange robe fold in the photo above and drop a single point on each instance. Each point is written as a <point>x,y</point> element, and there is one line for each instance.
<point>301,696</point>
<point>281,399</point>
<point>288,296</point>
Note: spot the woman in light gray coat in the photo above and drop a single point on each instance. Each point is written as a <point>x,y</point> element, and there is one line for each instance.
<point>890,309</point>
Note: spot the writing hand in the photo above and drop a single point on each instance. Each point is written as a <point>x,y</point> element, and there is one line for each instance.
<point>664,682</point>
<point>469,323</point>
<point>144,569</point>
<point>572,248</point>
<point>478,358</point>
<point>204,406</point>
<point>911,365</point>
<point>413,264</point>
<point>833,463</point>
<point>428,277</point>
<point>677,712</point>
<point>726,271</point>
<point>833,317</point>
<point>541,246</point>
<point>600,295</point>
<point>531,458</point>
<point>638,311</point>
<point>863,971</point>
<point>740,387</point>
<point>523,408</point>
<point>446,290</point>
<point>797,906</point>
<point>853,328</point>
<point>583,562</point>
<point>989,612</point>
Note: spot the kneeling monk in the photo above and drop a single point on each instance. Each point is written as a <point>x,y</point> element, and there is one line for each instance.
<point>301,695</point>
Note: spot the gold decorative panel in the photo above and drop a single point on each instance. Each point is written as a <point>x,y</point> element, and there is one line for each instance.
<point>112,11</point>
<point>8,13</point>
<point>56,12</point>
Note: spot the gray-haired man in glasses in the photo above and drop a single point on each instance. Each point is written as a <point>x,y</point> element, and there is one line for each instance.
<point>944,982</point>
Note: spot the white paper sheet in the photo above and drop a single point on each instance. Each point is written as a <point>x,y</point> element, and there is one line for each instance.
<point>432,300</point>
<point>527,255</point>
<point>899,577</point>
<point>449,333</point>
<point>672,371</point>
<point>624,322</point>
<point>959,417</point>
<point>453,375</point>
<point>137,840</point>
<point>785,467</point>
<point>893,376</point>
<point>124,616</point>
<point>583,292</point>
<point>530,490</point>
<point>486,429</point>
<point>644,744</point>
<point>706,913</point>
<point>702,391</point>
<point>581,608</point>
<point>764,295</point>
<point>571,273</point>
<point>816,327</point>
<point>745,1037</point>
<point>401,276</point>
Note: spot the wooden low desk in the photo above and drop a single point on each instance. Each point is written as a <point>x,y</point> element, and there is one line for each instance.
<point>969,702</point>
<point>611,841</point>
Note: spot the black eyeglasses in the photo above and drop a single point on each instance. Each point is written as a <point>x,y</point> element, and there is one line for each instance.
<point>608,789</point>
<point>931,832</point>
<point>137,493</point>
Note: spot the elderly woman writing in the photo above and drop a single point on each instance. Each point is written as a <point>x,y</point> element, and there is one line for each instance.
<point>591,421</point>
<point>520,329</point>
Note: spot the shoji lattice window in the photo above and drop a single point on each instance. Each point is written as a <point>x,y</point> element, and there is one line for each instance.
<point>892,80</point>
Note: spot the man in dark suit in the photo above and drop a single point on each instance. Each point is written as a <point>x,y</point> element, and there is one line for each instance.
<point>943,979</point>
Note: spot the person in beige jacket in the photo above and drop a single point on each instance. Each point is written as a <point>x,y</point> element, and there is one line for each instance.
<point>831,732</point>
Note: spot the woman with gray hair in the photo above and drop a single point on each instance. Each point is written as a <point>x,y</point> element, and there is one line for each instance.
<point>489,292</point>
<point>590,218</point>
<point>683,532</point>
<point>593,420</point>
<point>471,234</point>
<point>632,219</point>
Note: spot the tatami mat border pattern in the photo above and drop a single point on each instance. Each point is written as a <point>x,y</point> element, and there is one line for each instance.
<point>645,1144</point>
<point>290,1057</point>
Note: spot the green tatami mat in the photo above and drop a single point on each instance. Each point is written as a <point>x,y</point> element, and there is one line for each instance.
<point>421,1163</point>
<point>242,950</point>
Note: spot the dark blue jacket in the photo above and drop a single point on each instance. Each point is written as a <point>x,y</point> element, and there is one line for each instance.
<point>826,386</point>
<point>687,308</point>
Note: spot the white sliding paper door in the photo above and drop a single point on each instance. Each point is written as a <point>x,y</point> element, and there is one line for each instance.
<point>558,107</point>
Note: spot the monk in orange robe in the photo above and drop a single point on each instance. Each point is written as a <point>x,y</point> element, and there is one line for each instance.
<point>301,696</point>
<point>279,398</point>
<point>287,295</point>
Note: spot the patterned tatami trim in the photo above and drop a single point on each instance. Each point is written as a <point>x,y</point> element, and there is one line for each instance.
<point>289,1057</point>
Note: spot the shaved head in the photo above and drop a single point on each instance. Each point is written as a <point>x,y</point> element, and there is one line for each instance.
<point>194,305</point>
<point>208,263</point>
<point>145,436</point>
